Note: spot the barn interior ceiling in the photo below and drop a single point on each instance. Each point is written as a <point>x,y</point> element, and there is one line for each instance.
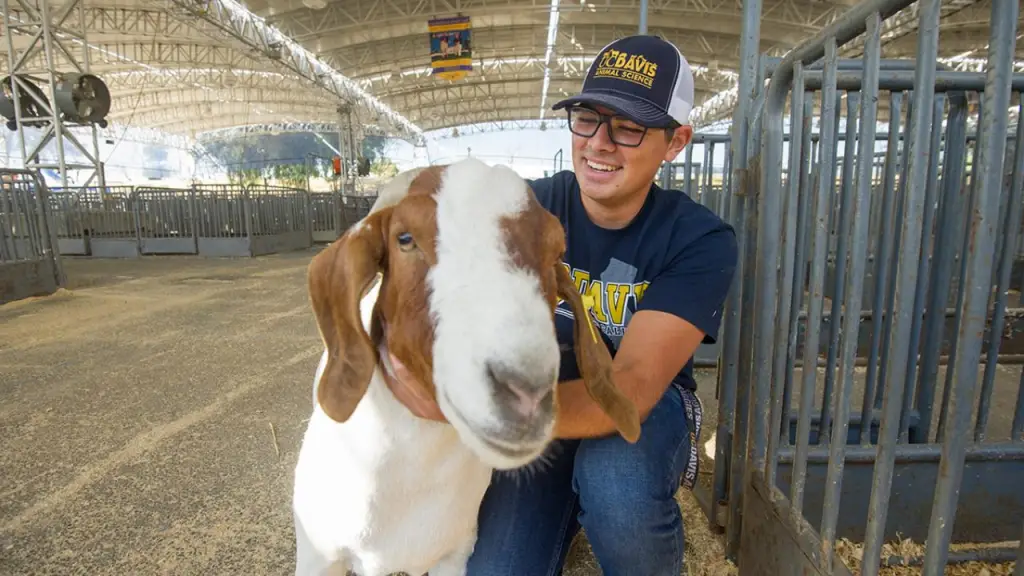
<point>194,67</point>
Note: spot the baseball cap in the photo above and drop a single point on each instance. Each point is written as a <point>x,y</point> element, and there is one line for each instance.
<point>642,77</point>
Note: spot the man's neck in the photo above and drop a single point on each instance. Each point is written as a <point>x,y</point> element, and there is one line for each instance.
<point>617,215</point>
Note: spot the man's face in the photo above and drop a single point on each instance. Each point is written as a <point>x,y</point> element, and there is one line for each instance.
<point>608,171</point>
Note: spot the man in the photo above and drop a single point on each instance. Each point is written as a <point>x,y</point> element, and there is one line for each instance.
<point>659,265</point>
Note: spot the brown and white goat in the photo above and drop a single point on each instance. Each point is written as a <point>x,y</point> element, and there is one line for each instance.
<point>456,271</point>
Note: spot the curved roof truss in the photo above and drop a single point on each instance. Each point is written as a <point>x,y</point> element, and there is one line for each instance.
<point>191,66</point>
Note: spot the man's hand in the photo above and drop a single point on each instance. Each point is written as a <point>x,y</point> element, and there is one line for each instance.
<point>654,349</point>
<point>412,393</point>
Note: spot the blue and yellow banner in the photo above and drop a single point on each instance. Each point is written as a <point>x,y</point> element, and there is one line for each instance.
<point>451,56</point>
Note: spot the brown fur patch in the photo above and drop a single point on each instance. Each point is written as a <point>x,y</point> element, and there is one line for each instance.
<point>337,279</point>
<point>545,259</point>
<point>339,276</point>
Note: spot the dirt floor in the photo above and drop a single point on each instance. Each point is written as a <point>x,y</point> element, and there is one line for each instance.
<point>150,417</point>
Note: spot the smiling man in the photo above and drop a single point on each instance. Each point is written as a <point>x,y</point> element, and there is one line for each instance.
<point>659,267</point>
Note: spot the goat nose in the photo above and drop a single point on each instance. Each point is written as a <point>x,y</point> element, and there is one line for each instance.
<point>524,394</point>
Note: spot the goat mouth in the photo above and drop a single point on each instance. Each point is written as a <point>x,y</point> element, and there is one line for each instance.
<point>515,451</point>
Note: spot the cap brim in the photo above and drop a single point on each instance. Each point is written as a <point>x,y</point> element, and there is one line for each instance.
<point>643,113</point>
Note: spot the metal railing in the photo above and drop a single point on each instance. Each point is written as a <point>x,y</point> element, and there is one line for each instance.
<point>899,261</point>
<point>29,262</point>
<point>209,220</point>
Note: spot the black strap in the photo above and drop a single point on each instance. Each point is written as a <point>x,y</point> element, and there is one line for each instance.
<point>694,417</point>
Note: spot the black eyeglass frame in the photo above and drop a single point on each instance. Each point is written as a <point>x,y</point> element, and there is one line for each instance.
<point>604,119</point>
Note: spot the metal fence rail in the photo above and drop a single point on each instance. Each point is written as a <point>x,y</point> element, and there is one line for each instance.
<point>899,259</point>
<point>29,260</point>
<point>208,220</point>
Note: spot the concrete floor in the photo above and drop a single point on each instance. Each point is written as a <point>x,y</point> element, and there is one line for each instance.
<point>151,414</point>
<point>139,412</point>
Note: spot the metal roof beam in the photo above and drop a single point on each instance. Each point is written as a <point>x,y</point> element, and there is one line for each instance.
<point>186,96</point>
<point>239,22</point>
<point>254,112</point>
<point>359,21</point>
<point>449,117</point>
<point>277,128</point>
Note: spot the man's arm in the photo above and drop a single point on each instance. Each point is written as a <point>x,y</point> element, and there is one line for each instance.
<point>679,309</point>
<point>654,348</point>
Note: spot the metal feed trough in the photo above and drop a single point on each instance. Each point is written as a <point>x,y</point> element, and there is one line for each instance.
<point>895,274</point>
<point>29,261</point>
<point>205,219</point>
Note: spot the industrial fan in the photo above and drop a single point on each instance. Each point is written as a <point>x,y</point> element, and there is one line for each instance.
<point>32,109</point>
<point>83,99</point>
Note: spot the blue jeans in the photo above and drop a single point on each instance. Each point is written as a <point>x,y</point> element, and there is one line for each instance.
<point>622,494</point>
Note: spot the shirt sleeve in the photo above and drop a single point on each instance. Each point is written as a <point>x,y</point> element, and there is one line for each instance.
<point>543,189</point>
<point>696,281</point>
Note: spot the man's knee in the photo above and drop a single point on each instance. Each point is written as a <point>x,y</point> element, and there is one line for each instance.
<point>613,476</point>
<point>627,497</point>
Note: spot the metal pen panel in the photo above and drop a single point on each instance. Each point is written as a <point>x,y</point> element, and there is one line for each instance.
<point>982,229</point>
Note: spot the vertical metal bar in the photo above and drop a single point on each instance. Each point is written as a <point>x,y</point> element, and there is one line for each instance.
<point>1010,233</point>
<point>893,262</point>
<point>51,232</point>
<point>815,292</point>
<point>950,211</point>
<point>857,204</point>
<point>924,88</point>
<point>688,172</point>
<point>788,283</point>
<point>923,264</point>
<point>845,200</point>
<point>58,124</point>
<point>194,219</point>
<point>643,16</point>
<point>762,280</point>
<point>1017,430</point>
<point>16,198</point>
<point>882,252</point>
<point>748,72</point>
<point>1019,570</point>
<point>705,174</point>
<point>805,205</point>
<point>963,232</point>
<point>7,240</point>
<point>984,219</point>
<point>725,202</point>
<point>711,197</point>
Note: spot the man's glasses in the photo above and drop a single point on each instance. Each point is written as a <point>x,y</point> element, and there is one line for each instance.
<point>586,122</point>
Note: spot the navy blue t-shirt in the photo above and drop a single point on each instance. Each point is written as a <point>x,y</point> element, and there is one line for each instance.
<point>676,256</point>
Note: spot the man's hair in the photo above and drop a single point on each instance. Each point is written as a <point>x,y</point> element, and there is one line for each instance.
<point>670,130</point>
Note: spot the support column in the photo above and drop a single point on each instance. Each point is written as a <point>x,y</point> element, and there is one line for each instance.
<point>643,16</point>
<point>347,147</point>
<point>50,88</point>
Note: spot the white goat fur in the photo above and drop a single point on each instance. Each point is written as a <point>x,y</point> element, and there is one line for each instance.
<point>388,492</point>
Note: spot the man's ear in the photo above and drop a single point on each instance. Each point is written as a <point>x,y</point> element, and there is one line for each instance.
<point>681,137</point>
<point>595,362</point>
<point>337,279</point>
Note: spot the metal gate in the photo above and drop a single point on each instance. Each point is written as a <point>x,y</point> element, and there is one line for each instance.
<point>884,266</point>
<point>30,263</point>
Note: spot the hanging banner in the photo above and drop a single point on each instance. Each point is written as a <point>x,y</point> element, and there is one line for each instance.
<point>451,56</point>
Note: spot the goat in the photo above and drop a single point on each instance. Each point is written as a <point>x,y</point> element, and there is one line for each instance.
<point>466,271</point>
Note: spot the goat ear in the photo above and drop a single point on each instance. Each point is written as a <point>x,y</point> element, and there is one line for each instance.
<point>338,278</point>
<point>596,362</point>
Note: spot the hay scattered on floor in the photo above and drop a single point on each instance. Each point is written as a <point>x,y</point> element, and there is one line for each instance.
<point>852,553</point>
